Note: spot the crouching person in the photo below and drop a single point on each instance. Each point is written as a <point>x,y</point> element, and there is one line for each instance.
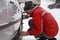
<point>42,25</point>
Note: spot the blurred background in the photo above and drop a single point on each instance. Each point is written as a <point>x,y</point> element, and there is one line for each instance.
<point>12,10</point>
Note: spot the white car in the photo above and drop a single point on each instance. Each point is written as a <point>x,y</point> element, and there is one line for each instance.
<point>10,19</point>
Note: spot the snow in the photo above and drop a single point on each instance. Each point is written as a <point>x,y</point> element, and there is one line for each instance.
<point>55,12</point>
<point>44,4</point>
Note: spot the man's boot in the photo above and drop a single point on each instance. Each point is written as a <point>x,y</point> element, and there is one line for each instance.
<point>52,39</point>
<point>42,38</point>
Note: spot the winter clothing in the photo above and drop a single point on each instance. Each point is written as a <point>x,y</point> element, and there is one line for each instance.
<point>45,23</point>
<point>42,36</point>
<point>28,5</point>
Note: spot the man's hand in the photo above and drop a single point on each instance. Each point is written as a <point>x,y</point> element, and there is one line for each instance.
<point>24,33</point>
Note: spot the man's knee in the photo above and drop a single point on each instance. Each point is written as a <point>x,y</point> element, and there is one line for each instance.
<point>30,22</point>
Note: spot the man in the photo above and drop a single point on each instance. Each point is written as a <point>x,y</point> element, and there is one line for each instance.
<point>43,25</point>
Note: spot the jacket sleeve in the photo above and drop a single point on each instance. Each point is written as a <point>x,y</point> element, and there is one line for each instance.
<point>38,24</point>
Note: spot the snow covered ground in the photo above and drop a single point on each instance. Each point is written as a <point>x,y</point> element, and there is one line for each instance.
<point>44,4</point>
<point>55,12</point>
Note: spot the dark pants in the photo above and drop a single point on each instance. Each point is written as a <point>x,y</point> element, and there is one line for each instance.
<point>42,35</point>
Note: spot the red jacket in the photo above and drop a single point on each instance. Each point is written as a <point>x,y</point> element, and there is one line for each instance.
<point>44,23</point>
